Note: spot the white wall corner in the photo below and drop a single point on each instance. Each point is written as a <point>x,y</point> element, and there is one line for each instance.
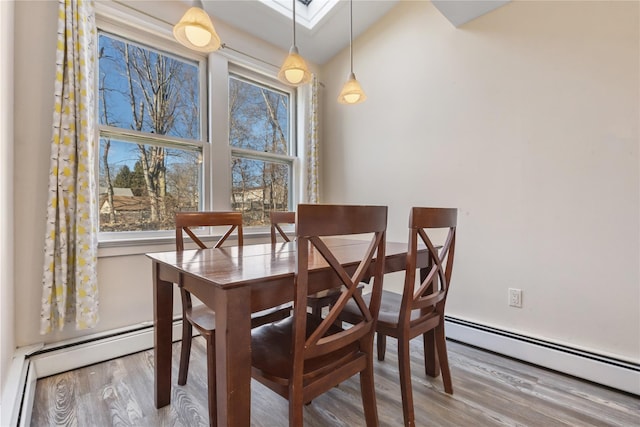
<point>7,321</point>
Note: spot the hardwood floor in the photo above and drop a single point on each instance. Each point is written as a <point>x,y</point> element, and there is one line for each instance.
<point>489,390</point>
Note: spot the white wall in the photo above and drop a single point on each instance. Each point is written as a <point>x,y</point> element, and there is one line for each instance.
<point>527,120</point>
<point>124,275</point>
<point>7,336</point>
<point>34,71</point>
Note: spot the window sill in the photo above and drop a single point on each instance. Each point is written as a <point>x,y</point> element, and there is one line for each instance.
<point>141,246</point>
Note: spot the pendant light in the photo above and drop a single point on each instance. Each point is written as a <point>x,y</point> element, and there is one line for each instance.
<point>294,71</point>
<point>352,92</point>
<point>195,30</point>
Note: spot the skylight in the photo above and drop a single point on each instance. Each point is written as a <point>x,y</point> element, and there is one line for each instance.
<point>309,15</point>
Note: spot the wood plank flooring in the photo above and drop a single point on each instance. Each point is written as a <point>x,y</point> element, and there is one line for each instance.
<point>489,390</point>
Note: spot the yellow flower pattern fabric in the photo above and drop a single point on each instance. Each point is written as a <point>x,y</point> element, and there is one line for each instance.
<point>312,143</point>
<point>70,283</point>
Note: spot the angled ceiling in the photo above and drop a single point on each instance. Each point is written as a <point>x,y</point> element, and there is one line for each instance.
<point>322,28</point>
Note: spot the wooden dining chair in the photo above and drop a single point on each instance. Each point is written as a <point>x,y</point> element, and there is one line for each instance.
<point>200,316</point>
<point>316,301</point>
<point>277,218</point>
<point>304,355</point>
<point>419,310</point>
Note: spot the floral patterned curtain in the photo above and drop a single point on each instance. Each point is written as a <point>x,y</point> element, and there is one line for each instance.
<point>311,143</point>
<point>69,284</point>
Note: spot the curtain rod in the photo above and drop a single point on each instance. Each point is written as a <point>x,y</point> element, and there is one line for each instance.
<point>222,46</point>
<point>226,46</point>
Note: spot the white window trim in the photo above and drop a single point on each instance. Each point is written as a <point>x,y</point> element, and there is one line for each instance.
<point>151,39</point>
<point>292,157</point>
<point>122,21</point>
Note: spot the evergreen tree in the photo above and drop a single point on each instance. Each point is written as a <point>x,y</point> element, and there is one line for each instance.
<point>138,185</point>
<point>123,178</point>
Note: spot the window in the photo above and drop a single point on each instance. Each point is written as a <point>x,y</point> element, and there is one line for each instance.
<point>262,155</point>
<point>150,161</point>
<point>180,131</point>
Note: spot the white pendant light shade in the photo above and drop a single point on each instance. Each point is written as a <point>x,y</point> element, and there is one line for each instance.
<point>294,70</point>
<point>351,92</point>
<point>195,31</point>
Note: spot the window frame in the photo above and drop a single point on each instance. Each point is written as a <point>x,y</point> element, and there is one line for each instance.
<point>291,158</point>
<point>145,40</point>
<point>214,72</point>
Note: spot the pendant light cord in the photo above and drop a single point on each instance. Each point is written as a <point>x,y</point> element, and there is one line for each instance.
<point>351,33</point>
<point>294,22</point>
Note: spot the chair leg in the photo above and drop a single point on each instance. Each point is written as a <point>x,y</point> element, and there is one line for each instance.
<point>211,380</point>
<point>367,388</point>
<point>431,367</point>
<point>185,351</point>
<point>381,342</point>
<point>404,366</point>
<point>296,403</point>
<point>441,346</point>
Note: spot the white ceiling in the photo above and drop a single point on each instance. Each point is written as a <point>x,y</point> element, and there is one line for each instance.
<point>318,44</point>
<point>322,30</point>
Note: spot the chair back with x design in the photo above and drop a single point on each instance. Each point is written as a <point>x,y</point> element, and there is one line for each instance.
<point>277,218</point>
<point>431,294</point>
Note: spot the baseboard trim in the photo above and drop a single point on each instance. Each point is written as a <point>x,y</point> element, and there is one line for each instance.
<point>604,370</point>
<point>97,348</point>
<point>15,389</point>
<point>28,397</point>
<point>39,361</point>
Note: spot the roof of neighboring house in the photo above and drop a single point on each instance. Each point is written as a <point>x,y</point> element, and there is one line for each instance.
<point>117,191</point>
<point>125,203</point>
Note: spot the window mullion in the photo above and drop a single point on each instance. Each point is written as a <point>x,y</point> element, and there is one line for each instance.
<point>258,155</point>
<point>149,139</point>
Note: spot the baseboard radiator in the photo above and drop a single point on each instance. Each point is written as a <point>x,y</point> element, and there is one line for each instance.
<point>51,360</point>
<point>40,361</point>
<point>607,371</point>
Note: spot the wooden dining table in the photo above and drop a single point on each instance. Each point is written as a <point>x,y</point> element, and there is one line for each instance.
<point>236,281</point>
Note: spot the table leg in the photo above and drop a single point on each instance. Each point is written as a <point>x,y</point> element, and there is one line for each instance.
<point>162,322</point>
<point>233,356</point>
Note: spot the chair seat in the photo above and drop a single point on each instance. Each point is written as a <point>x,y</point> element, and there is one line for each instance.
<point>271,350</point>
<point>389,309</point>
<point>204,319</point>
